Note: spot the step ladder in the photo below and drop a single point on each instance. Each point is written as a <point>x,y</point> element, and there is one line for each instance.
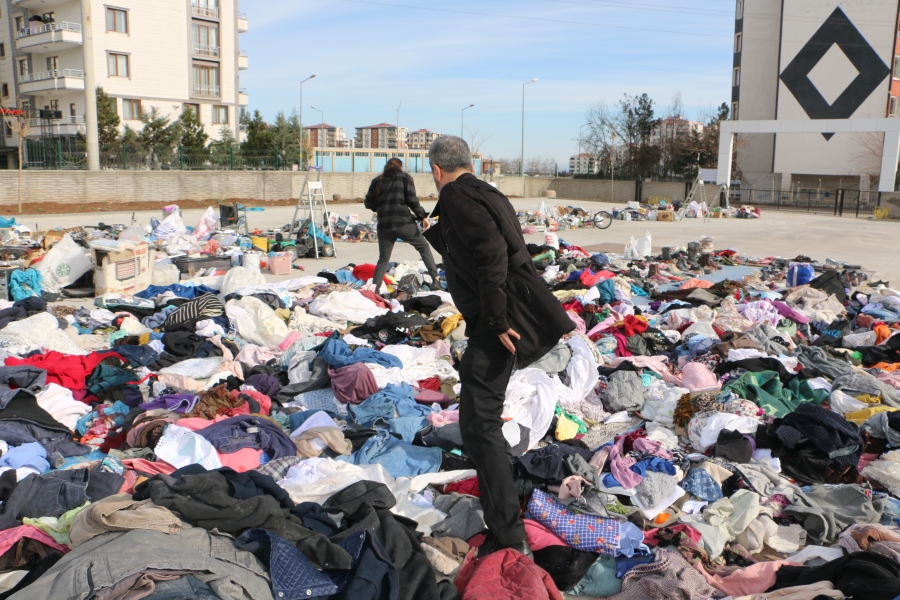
<point>311,205</point>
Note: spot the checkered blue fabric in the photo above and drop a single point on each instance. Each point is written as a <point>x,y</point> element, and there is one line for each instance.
<point>584,532</point>
<point>701,484</point>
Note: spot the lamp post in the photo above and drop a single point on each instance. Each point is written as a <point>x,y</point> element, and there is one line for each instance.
<point>322,127</point>
<point>302,149</point>
<point>462,122</point>
<point>578,158</point>
<point>522,162</point>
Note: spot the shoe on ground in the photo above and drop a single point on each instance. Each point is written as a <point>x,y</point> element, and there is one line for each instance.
<point>491,545</point>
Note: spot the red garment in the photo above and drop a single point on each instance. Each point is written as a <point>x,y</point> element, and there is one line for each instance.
<point>366,272</point>
<point>432,383</point>
<point>622,350</point>
<point>539,537</point>
<point>381,302</point>
<point>630,438</point>
<point>465,486</point>
<point>146,467</point>
<point>504,574</point>
<point>10,537</point>
<point>265,403</point>
<point>693,534</point>
<point>633,325</point>
<point>574,306</point>
<point>67,370</point>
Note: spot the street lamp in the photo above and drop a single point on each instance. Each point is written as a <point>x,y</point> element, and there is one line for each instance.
<point>578,158</point>
<point>462,122</point>
<point>322,127</point>
<point>522,163</point>
<point>302,150</point>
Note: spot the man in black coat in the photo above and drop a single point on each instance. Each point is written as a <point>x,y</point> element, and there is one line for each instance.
<point>511,318</point>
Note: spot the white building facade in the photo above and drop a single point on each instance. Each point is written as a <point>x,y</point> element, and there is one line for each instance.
<point>168,54</point>
<point>584,164</point>
<point>672,128</point>
<point>421,139</point>
<point>383,135</point>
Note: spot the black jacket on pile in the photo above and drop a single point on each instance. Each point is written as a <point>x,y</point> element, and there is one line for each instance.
<point>489,270</point>
<point>393,200</point>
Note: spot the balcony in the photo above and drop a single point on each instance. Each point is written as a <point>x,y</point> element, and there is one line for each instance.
<point>206,51</point>
<point>58,36</point>
<point>42,5</point>
<point>243,61</point>
<point>209,91</point>
<point>206,12</point>
<point>243,97</point>
<point>243,24</point>
<point>67,126</point>
<point>49,81</point>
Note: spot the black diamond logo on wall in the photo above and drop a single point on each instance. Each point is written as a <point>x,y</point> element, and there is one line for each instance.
<point>837,29</point>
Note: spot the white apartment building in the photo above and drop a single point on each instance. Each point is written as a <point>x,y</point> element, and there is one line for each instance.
<point>421,139</point>
<point>584,164</point>
<point>672,128</point>
<point>324,135</point>
<point>167,54</point>
<point>383,135</point>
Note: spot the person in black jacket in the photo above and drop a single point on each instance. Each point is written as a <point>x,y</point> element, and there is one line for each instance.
<point>392,195</point>
<point>511,318</point>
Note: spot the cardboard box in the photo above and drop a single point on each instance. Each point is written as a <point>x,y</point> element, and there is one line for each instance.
<point>127,268</point>
<point>666,215</point>
<point>717,215</point>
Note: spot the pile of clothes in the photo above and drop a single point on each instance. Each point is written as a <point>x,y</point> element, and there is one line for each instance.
<point>712,428</point>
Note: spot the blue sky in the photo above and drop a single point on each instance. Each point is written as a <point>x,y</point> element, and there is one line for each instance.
<point>438,56</point>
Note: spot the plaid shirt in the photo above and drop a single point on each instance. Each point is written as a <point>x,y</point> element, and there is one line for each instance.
<point>584,532</point>
<point>393,203</point>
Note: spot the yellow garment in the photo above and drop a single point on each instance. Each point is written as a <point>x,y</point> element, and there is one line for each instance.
<point>869,399</point>
<point>565,295</point>
<point>143,339</point>
<point>566,429</point>
<point>284,314</point>
<point>861,416</point>
<point>450,323</point>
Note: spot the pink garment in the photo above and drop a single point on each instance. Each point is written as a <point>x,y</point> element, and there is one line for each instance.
<point>892,379</point>
<point>653,447</point>
<point>445,417</point>
<point>253,355</point>
<point>10,537</point>
<point>698,378</point>
<point>150,468</point>
<point>539,537</point>
<point>226,352</point>
<point>657,364</point>
<point>620,463</point>
<point>441,348</point>
<point>604,324</point>
<point>265,403</point>
<point>245,459</point>
<point>694,535</point>
<point>691,284</point>
<point>570,487</point>
<point>579,322</point>
<point>598,460</point>
<point>754,579</point>
<point>292,337</point>
<point>865,459</point>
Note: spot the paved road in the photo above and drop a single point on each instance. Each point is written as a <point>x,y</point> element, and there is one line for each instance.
<point>872,244</point>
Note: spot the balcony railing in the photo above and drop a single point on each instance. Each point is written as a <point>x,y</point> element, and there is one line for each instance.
<point>55,73</point>
<point>62,26</point>
<point>243,91</point>
<point>205,11</point>
<point>242,53</point>
<point>242,15</point>
<point>201,50</point>
<point>206,90</point>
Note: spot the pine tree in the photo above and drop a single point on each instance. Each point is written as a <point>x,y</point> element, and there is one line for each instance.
<point>193,136</point>
<point>259,137</point>
<point>158,135</point>
<point>107,119</point>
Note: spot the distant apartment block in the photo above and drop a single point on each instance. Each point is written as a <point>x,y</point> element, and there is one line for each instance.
<point>672,128</point>
<point>383,135</point>
<point>169,54</point>
<point>421,139</point>
<point>584,164</point>
<point>324,135</point>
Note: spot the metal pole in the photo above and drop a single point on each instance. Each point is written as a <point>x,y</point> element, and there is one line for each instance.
<point>302,150</point>
<point>91,134</point>
<point>522,162</point>
<point>463,120</point>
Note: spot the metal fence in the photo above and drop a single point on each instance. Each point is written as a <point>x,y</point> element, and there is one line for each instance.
<point>57,155</point>
<point>837,202</point>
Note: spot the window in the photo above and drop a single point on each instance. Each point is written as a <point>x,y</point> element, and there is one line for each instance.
<point>131,110</point>
<point>897,67</point>
<point>220,115</point>
<point>52,63</point>
<point>739,14</point>
<point>20,23</point>
<point>23,66</point>
<point>116,20</point>
<point>54,105</point>
<point>736,78</point>
<point>118,65</point>
<point>9,130</point>
<point>206,80</point>
<point>206,39</point>
<point>4,90</point>
<point>49,17</point>
<point>737,42</point>
<point>895,107</point>
<point>2,50</point>
<point>72,112</point>
<point>195,108</point>
<point>734,111</point>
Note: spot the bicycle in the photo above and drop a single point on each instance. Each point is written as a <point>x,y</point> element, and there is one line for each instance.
<point>602,219</point>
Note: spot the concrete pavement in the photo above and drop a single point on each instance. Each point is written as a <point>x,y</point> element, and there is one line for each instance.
<point>872,244</point>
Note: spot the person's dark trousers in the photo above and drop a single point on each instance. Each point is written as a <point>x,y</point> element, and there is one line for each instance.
<point>410,234</point>
<point>484,374</point>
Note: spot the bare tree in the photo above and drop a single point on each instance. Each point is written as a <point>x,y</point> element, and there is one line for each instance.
<point>19,122</point>
<point>868,148</point>
<point>676,109</point>
<point>477,140</point>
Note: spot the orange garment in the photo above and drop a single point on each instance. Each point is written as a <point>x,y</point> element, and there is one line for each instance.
<point>696,283</point>
<point>887,366</point>
<point>883,332</point>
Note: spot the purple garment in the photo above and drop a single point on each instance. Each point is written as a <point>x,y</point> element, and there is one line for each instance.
<point>264,384</point>
<point>352,384</point>
<point>179,403</point>
<point>620,466</point>
<point>786,311</point>
<point>429,397</point>
<point>247,431</point>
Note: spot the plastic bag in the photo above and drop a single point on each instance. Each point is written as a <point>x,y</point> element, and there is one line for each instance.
<point>207,224</point>
<point>800,274</point>
<point>644,245</point>
<point>164,275</point>
<point>134,234</point>
<point>171,226</point>
<point>64,264</point>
